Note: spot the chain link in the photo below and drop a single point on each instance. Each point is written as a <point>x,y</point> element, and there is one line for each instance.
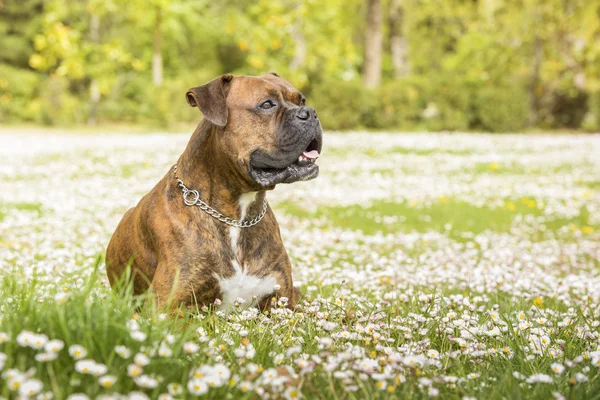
<point>195,201</point>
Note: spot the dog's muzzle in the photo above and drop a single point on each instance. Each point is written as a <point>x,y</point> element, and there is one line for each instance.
<point>300,140</point>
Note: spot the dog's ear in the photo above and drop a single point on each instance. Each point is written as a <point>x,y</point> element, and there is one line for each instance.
<point>210,99</point>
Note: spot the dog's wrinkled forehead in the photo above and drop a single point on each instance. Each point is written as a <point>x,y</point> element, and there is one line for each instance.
<point>248,91</point>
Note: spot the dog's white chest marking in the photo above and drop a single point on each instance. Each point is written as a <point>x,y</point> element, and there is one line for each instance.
<point>234,233</point>
<point>241,285</point>
<point>247,288</point>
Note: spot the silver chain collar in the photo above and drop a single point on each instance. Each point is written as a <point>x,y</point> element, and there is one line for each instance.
<point>192,198</point>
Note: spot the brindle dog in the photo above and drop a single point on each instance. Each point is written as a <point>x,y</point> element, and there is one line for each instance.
<point>256,132</point>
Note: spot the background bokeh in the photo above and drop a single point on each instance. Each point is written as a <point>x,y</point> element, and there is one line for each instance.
<point>483,65</point>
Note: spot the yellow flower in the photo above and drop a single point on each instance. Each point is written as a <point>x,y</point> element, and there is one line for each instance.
<point>588,230</point>
<point>529,203</point>
<point>138,65</point>
<point>6,98</point>
<point>275,44</point>
<point>256,62</point>
<point>36,61</point>
<point>538,301</point>
<point>493,166</point>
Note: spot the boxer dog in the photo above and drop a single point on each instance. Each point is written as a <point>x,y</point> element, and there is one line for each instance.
<point>205,233</point>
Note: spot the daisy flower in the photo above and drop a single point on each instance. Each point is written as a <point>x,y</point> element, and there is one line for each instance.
<point>54,346</point>
<point>197,387</point>
<point>123,352</point>
<point>107,381</point>
<point>77,351</point>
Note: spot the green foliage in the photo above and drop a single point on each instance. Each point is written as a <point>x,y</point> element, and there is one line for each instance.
<point>591,120</point>
<point>439,103</point>
<point>58,106</point>
<point>19,21</point>
<point>138,101</point>
<point>399,104</point>
<point>92,60</point>
<point>298,39</point>
<point>449,104</point>
<point>341,104</point>
<point>502,108</point>
<point>18,94</point>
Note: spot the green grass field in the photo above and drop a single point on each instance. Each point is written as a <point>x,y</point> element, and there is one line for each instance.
<point>447,266</point>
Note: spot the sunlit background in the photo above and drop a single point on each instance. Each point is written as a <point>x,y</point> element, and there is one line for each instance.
<point>444,264</point>
<point>482,65</point>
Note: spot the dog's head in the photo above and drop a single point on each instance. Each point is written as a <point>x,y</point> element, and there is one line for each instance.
<point>263,125</point>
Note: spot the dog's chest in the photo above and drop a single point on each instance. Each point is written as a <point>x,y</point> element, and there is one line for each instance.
<point>243,287</point>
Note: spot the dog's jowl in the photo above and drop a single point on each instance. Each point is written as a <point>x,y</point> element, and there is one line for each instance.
<point>206,232</point>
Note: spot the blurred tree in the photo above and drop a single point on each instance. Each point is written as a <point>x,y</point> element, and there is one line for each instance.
<point>156,14</point>
<point>174,36</point>
<point>398,41</point>
<point>546,46</point>
<point>297,39</point>
<point>19,22</point>
<point>78,45</point>
<point>373,44</point>
<point>157,61</point>
<point>77,60</point>
<point>434,30</point>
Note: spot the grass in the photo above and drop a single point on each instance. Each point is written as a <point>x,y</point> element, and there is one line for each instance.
<point>406,297</point>
<point>444,215</point>
<point>7,208</point>
<point>102,128</point>
<point>96,318</point>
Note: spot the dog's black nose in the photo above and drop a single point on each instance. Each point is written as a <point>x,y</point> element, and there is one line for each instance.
<point>303,114</point>
<point>306,112</point>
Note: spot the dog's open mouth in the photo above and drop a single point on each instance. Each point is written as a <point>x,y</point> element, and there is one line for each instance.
<point>302,169</point>
<point>311,153</point>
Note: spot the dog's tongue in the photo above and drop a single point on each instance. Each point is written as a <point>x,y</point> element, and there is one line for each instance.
<point>313,154</point>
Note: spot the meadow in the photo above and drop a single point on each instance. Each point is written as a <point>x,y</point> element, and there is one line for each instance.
<point>452,266</point>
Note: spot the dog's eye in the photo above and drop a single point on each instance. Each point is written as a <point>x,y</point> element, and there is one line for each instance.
<point>303,102</point>
<point>267,105</point>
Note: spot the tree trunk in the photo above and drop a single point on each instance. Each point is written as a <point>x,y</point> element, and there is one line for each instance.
<point>373,44</point>
<point>297,32</point>
<point>94,85</point>
<point>157,61</point>
<point>488,9</point>
<point>534,85</point>
<point>398,42</point>
<point>300,51</point>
